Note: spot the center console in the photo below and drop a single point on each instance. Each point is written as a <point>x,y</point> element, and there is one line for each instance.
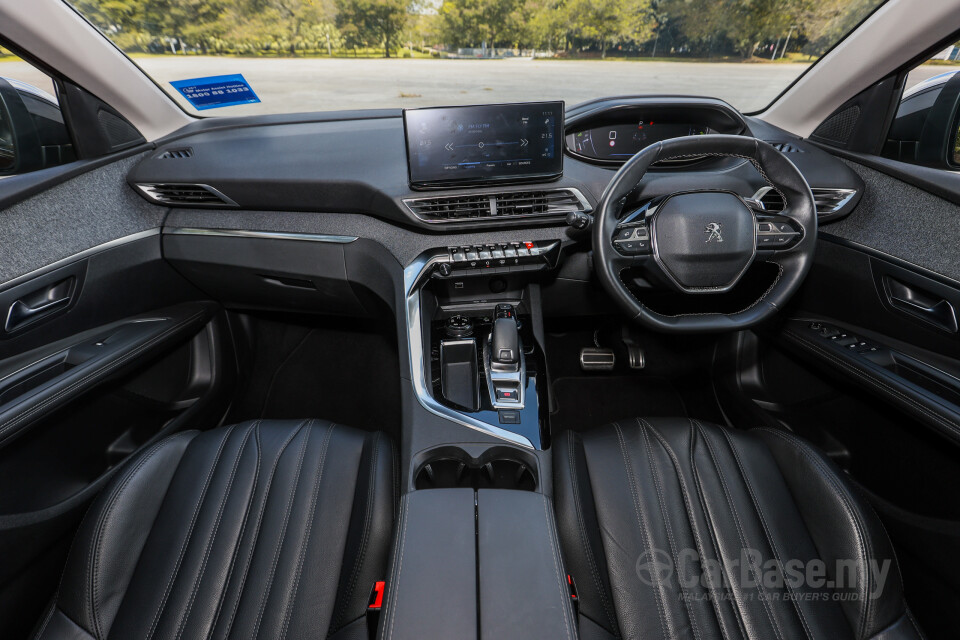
<point>476,325</point>
<point>476,554</point>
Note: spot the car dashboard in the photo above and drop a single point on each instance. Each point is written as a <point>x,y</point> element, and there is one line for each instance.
<point>357,163</point>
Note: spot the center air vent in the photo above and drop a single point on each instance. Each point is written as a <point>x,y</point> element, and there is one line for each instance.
<point>185,194</point>
<point>507,204</point>
<point>829,201</point>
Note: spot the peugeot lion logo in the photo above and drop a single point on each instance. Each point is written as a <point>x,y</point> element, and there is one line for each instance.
<point>713,232</point>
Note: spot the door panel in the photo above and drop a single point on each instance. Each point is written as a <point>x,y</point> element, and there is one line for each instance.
<point>104,349</point>
<point>865,362</point>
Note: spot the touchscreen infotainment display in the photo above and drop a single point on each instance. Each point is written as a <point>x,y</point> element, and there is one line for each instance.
<point>488,143</point>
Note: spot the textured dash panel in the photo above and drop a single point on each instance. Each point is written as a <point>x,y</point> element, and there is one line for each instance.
<point>904,221</point>
<point>83,212</point>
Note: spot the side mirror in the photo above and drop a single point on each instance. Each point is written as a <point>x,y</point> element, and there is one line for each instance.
<point>20,148</point>
<point>939,137</point>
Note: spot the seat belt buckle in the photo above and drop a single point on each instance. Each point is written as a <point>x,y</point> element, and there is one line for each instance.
<point>574,598</point>
<point>374,604</point>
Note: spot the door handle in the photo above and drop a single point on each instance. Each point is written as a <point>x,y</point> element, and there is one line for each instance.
<point>38,305</point>
<point>933,309</point>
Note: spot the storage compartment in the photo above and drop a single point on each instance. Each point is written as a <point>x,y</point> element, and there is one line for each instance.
<point>261,273</point>
<point>495,468</point>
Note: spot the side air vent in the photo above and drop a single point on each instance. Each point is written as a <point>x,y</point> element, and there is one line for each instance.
<point>176,154</point>
<point>786,147</point>
<point>829,201</point>
<point>185,194</point>
<point>503,205</point>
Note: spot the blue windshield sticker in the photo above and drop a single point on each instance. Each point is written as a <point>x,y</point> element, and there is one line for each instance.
<point>216,91</point>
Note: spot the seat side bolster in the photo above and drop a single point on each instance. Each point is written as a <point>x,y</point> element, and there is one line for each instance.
<point>579,532</point>
<point>843,527</point>
<point>109,542</point>
<point>370,532</point>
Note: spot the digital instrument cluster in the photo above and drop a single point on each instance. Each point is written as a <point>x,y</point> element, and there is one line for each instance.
<point>620,142</point>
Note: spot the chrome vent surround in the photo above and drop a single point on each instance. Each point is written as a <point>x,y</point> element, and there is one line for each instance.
<point>176,154</point>
<point>185,194</point>
<point>829,201</point>
<point>539,203</point>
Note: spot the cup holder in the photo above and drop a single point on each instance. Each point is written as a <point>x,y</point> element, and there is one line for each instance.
<point>456,469</point>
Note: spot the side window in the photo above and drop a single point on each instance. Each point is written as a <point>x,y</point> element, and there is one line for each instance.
<point>32,132</point>
<point>926,128</point>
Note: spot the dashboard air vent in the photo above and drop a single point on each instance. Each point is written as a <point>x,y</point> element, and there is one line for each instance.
<point>506,204</point>
<point>786,147</point>
<point>176,154</point>
<point>829,201</point>
<point>185,194</point>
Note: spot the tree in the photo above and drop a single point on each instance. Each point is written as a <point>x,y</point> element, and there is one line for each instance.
<point>376,20</point>
<point>608,21</point>
<point>472,22</point>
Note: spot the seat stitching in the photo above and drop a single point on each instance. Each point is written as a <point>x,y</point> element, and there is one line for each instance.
<point>556,568</point>
<point>582,528</point>
<point>398,566</point>
<point>243,528</point>
<point>213,534</point>
<point>256,529</point>
<point>648,543</point>
<point>365,534</point>
<point>186,541</point>
<point>711,529</point>
<point>93,560</point>
<point>265,596</point>
<point>740,533</point>
<point>766,530</point>
<point>655,474</point>
<point>690,516</point>
<point>863,545</point>
<point>46,620</point>
<point>288,613</point>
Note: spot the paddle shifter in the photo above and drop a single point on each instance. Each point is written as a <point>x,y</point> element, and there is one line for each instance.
<point>503,356</point>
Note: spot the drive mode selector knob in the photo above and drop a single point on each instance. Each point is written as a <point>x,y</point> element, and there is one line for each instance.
<point>459,327</point>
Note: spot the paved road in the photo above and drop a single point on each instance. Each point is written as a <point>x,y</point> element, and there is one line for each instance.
<point>292,85</point>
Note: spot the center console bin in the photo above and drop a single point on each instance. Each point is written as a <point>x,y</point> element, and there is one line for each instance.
<point>479,564</point>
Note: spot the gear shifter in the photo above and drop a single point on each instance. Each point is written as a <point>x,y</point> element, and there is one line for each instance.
<point>504,360</point>
<point>505,345</point>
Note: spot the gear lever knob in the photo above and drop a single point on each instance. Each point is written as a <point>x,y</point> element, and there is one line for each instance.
<point>505,345</point>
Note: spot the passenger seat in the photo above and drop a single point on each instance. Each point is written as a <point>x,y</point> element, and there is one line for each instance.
<point>266,529</point>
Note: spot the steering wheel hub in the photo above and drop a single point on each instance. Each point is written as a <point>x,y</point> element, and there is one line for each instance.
<point>704,241</point>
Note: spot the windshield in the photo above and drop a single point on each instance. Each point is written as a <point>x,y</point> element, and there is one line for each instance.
<point>271,56</point>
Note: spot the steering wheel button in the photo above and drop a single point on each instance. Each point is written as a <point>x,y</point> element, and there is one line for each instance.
<point>625,234</point>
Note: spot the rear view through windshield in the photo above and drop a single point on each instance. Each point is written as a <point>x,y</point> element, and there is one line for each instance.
<point>310,55</point>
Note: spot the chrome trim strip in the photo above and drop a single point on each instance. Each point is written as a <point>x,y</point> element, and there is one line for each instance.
<point>413,278</point>
<point>268,235</point>
<point>576,193</point>
<point>847,195</point>
<point>133,237</point>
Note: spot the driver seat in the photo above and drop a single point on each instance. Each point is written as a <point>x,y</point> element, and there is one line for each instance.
<point>673,528</point>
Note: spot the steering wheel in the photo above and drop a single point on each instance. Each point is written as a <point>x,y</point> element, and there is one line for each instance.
<point>703,242</point>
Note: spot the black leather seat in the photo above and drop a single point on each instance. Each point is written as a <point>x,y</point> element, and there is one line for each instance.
<point>648,510</point>
<point>263,529</point>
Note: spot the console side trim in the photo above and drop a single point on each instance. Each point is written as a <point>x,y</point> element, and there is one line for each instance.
<point>413,278</point>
